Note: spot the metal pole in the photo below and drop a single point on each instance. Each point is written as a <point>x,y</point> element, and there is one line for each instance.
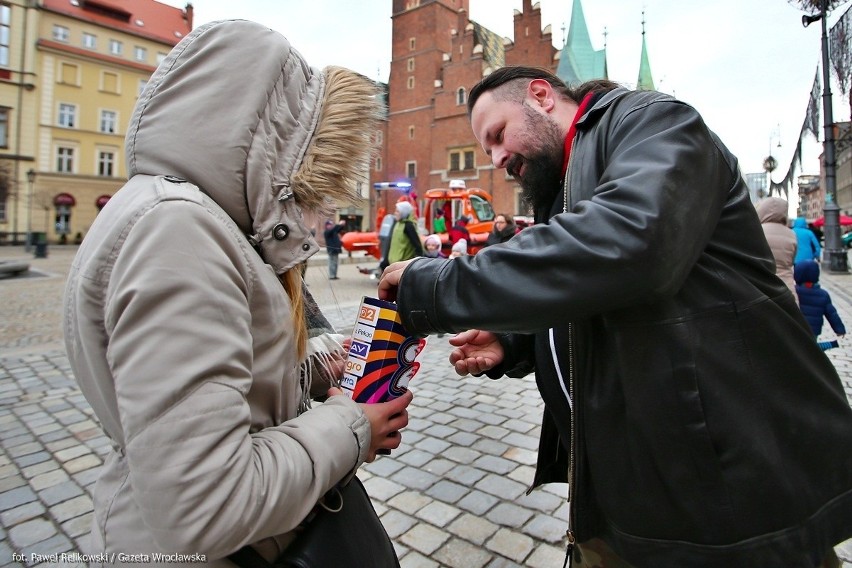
<point>29,213</point>
<point>18,123</point>
<point>835,255</point>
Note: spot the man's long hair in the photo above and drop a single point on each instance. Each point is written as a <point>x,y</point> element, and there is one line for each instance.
<point>515,90</point>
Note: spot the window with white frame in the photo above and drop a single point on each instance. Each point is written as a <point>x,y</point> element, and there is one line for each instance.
<point>411,170</point>
<point>61,33</point>
<point>115,47</point>
<point>411,133</point>
<point>411,82</point>
<point>4,127</point>
<point>106,163</point>
<point>461,159</point>
<point>90,41</point>
<point>378,165</point>
<point>65,160</point>
<point>468,159</point>
<point>67,115</point>
<point>411,64</point>
<point>109,120</point>
<point>5,23</point>
<point>140,53</point>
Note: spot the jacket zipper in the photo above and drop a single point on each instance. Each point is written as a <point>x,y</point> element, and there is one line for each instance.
<point>569,534</point>
<point>571,473</point>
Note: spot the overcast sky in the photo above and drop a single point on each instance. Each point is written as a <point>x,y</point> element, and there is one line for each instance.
<point>746,65</point>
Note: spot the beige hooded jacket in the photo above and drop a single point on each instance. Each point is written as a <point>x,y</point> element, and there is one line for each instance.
<point>177,327</point>
<point>772,212</point>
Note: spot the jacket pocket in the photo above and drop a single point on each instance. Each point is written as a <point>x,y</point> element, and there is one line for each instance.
<point>656,441</point>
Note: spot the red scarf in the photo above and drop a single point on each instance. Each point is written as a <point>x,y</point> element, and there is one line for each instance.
<point>573,130</point>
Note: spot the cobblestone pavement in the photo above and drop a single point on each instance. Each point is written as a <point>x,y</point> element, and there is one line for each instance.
<point>453,496</point>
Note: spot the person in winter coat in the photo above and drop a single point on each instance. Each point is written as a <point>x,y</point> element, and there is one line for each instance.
<point>688,407</point>
<point>772,213</point>
<point>333,245</point>
<point>439,225</point>
<point>405,240</point>
<point>814,300</point>
<point>503,230</point>
<point>807,247</point>
<point>187,324</point>
<point>432,247</point>
<point>459,248</point>
<point>459,230</point>
<point>385,233</point>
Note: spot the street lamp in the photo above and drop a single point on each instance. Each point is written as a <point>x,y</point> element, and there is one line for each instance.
<point>770,164</point>
<point>836,261</point>
<point>31,175</point>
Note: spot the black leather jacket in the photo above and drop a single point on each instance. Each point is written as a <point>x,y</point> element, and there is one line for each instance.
<point>708,428</point>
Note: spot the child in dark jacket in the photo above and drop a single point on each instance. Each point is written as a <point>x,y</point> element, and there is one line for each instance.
<point>815,302</point>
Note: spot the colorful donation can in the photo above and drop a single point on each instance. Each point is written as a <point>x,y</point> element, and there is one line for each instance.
<point>381,358</point>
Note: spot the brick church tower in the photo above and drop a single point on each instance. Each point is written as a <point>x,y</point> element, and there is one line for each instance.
<point>438,55</point>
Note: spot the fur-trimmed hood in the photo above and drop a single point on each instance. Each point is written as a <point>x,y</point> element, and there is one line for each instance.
<point>237,111</point>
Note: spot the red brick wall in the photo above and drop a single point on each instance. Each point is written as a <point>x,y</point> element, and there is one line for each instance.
<point>443,62</point>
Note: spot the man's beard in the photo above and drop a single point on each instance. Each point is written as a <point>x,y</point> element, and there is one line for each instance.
<point>541,182</point>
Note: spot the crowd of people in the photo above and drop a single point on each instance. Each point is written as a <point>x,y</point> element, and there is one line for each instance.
<point>797,251</point>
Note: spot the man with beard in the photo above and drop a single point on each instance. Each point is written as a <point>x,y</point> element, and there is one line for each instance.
<point>686,404</point>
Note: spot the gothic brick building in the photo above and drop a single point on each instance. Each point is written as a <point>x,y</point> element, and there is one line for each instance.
<point>438,54</point>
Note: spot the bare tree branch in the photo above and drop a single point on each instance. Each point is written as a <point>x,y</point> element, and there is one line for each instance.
<point>813,6</point>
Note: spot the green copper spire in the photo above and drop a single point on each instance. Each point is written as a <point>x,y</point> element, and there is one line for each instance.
<point>645,81</point>
<point>579,61</point>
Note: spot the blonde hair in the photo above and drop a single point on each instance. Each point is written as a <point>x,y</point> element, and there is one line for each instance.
<point>292,282</point>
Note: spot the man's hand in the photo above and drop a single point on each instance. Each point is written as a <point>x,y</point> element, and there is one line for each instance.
<point>390,280</point>
<point>476,352</point>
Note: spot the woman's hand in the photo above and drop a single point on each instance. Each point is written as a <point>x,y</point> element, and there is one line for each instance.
<point>338,361</point>
<point>386,421</point>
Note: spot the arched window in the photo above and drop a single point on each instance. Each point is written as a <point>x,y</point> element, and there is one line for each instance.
<point>63,203</point>
<point>461,96</point>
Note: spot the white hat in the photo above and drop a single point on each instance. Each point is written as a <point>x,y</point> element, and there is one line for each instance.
<point>460,246</point>
<point>404,209</point>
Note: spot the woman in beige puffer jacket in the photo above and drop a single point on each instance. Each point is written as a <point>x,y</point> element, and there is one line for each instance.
<point>184,308</point>
<point>772,212</point>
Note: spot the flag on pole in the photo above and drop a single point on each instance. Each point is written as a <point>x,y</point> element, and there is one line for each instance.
<point>812,114</point>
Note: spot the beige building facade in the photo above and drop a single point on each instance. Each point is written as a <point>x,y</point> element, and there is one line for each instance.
<point>82,66</point>
<point>18,112</point>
